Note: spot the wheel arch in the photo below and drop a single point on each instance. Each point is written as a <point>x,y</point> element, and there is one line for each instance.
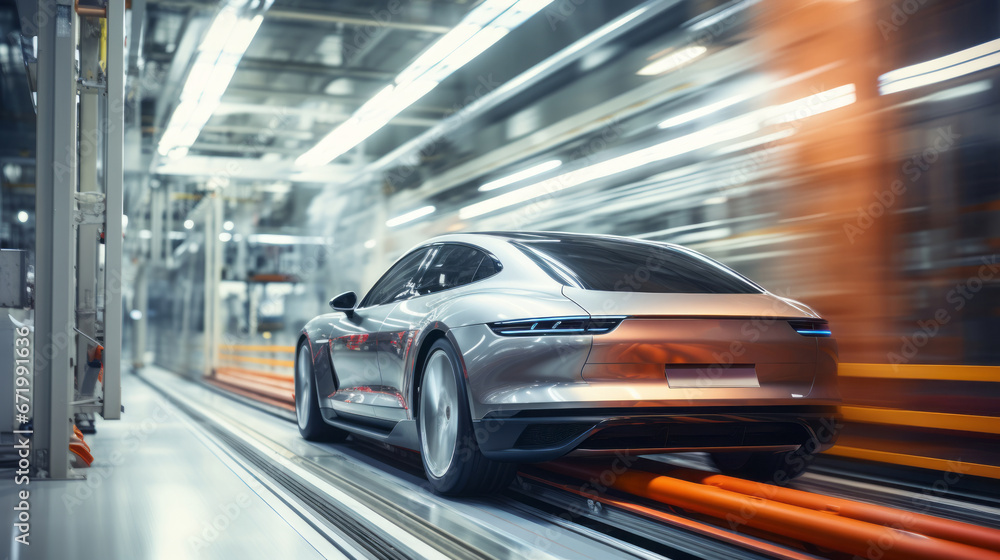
<point>433,334</point>
<point>324,378</point>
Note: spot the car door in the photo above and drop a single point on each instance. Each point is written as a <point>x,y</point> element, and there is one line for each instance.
<point>451,265</point>
<point>353,346</point>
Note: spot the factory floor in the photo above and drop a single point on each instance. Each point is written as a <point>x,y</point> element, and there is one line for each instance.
<point>158,488</point>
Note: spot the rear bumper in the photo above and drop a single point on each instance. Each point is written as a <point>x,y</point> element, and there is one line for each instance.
<point>545,435</point>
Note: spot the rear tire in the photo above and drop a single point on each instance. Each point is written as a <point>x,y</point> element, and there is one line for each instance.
<point>452,461</point>
<point>776,468</point>
<point>307,413</point>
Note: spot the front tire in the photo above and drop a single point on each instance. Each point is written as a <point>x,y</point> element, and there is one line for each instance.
<point>452,461</point>
<point>307,413</point>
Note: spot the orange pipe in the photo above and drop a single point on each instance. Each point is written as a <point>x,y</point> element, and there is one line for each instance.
<point>284,380</point>
<point>255,360</point>
<point>91,11</point>
<point>928,525</point>
<point>283,395</point>
<point>750,543</point>
<point>280,403</point>
<point>823,529</point>
<point>258,348</point>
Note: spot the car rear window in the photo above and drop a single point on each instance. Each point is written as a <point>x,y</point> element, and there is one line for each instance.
<point>605,264</point>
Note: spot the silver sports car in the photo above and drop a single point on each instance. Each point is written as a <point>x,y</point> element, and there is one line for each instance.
<point>485,350</point>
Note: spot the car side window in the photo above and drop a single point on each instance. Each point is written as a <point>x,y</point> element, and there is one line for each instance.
<point>453,265</point>
<point>399,282</point>
<point>488,267</point>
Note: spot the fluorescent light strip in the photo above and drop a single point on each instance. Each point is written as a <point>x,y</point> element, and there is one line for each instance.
<point>478,31</point>
<point>672,60</point>
<point>279,239</point>
<point>952,93</point>
<point>410,216</point>
<point>521,175</point>
<point>703,111</point>
<point>218,56</point>
<point>727,130</point>
<point>940,69</point>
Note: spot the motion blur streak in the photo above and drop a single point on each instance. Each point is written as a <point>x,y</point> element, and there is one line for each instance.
<point>843,154</point>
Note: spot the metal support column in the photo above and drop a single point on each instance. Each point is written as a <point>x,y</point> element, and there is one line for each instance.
<point>212,215</point>
<point>114,147</point>
<point>139,302</point>
<point>88,230</point>
<point>56,175</point>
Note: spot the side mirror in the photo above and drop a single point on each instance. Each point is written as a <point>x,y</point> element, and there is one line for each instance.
<point>345,302</point>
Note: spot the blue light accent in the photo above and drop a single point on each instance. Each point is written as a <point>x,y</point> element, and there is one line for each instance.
<point>542,331</point>
<point>577,324</point>
<point>815,333</point>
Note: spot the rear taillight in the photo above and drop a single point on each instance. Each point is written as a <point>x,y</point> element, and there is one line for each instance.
<point>557,326</point>
<point>811,327</point>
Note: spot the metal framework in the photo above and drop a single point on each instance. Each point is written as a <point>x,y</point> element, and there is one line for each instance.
<point>78,286</point>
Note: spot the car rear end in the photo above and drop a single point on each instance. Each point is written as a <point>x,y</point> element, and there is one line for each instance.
<point>713,365</point>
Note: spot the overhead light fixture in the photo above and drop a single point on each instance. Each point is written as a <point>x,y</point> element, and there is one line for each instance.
<point>410,216</point>
<point>672,61</point>
<point>481,28</point>
<point>370,244</point>
<point>815,104</point>
<point>12,172</point>
<point>145,234</point>
<point>702,111</point>
<point>218,56</point>
<point>940,69</point>
<point>228,225</point>
<point>188,224</point>
<point>952,93</point>
<point>22,216</point>
<point>521,175</point>
<point>178,152</point>
<point>731,129</point>
<point>279,239</point>
<point>225,236</point>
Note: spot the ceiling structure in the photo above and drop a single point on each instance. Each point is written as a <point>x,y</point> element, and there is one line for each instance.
<point>309,67</point>
<point>312,65</point>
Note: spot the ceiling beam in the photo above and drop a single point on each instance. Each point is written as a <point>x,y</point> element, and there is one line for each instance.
<point>326,17</point>
<point>229,148</point>
<point>285,66</point>
<point>241,168</point>
<point>229,108</point>
<point>293,95</point>
<point>257,130</point>
<point>304,96</point>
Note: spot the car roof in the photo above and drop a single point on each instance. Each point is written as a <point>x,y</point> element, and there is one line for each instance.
<point>556,235</point>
